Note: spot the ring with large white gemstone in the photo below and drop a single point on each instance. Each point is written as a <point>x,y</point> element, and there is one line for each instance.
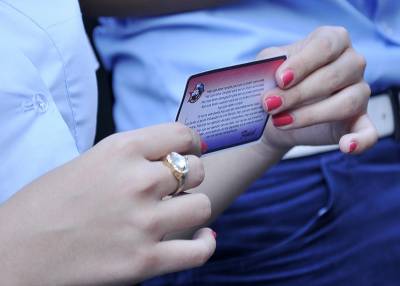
<point>179,167</point>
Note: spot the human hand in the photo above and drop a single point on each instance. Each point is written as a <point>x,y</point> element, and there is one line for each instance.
<point>321,96</point>
<point>100,219</point>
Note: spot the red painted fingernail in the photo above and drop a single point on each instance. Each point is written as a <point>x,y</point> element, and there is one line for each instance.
<point>273,102</point>
<point>282,119</point>
<point>287,77</point>
<point>353,146</point>
<point>214,234</point>
<point>204,146</point>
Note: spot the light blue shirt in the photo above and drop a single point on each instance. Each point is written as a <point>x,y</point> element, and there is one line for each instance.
<point>151,58</point>
<point>47,89</point>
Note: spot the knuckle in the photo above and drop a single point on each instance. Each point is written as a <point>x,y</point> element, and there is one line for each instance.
<point>295,96</point>
<point>152,224</point>
<point>300,60</point>
<point>147,186</point>
<point>325,44</point>
<point>366,92</point>
<point>350,106</point>
<point>119,146</point>
<point>269,52</point>
<point>124,144</point>
<point>144,181</point>
<point>335,31</point>
<point>305,118</point>
<point>110,141</point>
<point>358,100</point>
<point>342,33</point>
<point>327,38</point>
<point>366,89</point>
<point>321,30</point>
<point>199,173</point>
<point>146,262</point>
<point>185,135</point>
<point>361,62</point>
<point>147,223</point>
<point>204,207</point>
<point>150,260</point>
<point>334,81</point>
<point>353,106</point>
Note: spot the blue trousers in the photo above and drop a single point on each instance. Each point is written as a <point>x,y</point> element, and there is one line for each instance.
<point>329,219</point>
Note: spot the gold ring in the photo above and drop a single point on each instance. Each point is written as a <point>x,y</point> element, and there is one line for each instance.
<point>179,167</point>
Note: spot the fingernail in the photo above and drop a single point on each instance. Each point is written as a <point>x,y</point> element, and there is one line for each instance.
<point>273,102</point>
<point>282,119</point>
<point>353,146</point>
<point>287,77</point>
<point>204,146</point>
<point>214,234</point>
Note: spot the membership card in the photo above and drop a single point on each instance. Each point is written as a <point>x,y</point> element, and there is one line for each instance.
<point>224,105</point>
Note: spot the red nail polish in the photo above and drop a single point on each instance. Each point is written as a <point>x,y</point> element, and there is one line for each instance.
<point>273,102</point>
<point>287,77</point>
<point>214,234</point>
<point>204,146</point>
<point>282,119</point>
<point>353,146</point>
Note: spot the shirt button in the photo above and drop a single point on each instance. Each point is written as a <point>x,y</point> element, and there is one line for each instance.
<point>37,102</point>
<point>41,103</point>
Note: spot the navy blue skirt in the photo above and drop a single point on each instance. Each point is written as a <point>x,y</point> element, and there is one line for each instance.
<point>328,219</point>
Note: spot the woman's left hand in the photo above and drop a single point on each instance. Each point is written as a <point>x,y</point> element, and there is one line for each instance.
<point>321,96</point>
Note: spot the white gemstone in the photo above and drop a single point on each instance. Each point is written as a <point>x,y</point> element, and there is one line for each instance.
<point>178,161</point>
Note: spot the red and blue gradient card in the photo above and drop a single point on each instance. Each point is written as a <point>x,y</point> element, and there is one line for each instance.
<point>224,105</point>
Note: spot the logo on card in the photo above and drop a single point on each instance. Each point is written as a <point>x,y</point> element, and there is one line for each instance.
<point>196,93</point>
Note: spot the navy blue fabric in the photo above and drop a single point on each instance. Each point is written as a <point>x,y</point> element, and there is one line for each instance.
<point>329,219</point>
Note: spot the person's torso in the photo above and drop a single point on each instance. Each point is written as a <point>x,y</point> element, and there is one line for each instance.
<point>152,58</point>
<point>52,119</point>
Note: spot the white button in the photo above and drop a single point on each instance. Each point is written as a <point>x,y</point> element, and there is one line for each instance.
<point>37,102</point>
<point>41,103</point>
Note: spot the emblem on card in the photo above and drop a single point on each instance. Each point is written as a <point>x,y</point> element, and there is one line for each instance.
<point>196,93</point>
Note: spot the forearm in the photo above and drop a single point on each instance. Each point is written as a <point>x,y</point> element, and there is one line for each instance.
<point>11,261</point>
<point>141,8</point>
<point>230,172</point>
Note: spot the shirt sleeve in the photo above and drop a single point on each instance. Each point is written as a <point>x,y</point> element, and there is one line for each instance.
<point>34,137</point>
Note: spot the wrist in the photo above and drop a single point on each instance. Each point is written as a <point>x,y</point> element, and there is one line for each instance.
<point>10,264</point>
<point>271,152</point>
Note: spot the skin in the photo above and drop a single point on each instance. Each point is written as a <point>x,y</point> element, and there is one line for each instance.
<point>95,223</point>
<point>334,112</point>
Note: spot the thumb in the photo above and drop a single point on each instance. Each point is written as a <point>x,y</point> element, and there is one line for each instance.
<point>363,136</point>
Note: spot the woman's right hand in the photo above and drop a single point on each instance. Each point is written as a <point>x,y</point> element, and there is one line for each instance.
<point>101,218</point>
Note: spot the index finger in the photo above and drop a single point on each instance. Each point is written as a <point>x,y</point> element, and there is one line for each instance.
<point>320,48</point>
<point>155,142</point>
